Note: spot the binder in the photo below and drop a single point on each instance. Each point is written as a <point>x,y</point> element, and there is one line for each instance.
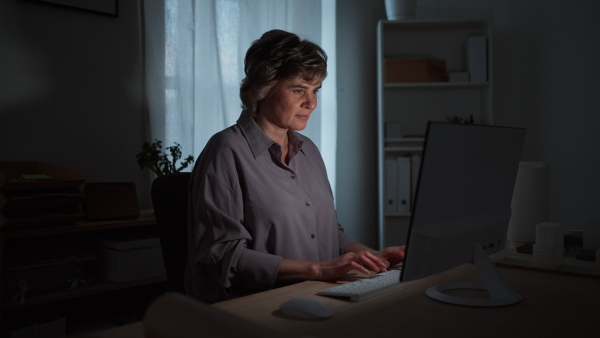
<point>415,169</point>
<point>391,186</point>
<point>404,185</point>
<point>477,58</point>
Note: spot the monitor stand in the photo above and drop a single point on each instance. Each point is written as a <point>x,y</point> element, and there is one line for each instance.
<point>501,294</point>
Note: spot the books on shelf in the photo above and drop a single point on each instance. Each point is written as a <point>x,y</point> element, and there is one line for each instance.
<point>36,194</point>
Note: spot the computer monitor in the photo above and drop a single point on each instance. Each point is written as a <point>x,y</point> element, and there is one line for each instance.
<point>462,207</point>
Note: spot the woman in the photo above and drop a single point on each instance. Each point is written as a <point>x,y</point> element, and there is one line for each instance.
<point>261,208</point>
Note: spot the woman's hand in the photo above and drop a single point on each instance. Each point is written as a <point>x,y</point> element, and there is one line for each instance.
<point>392,255</point>
<point>358,257</point>
<point>364,261</point>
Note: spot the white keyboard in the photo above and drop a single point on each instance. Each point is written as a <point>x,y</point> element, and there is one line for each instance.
<point>367,287</point>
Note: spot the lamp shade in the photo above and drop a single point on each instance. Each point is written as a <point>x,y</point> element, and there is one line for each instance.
<point>400,9</point>
<point>529,202</point>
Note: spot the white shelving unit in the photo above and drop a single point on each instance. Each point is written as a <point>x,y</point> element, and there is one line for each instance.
<point>412,104</point>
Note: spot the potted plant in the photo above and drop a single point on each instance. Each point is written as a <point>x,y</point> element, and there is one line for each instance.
<point>155,159</point>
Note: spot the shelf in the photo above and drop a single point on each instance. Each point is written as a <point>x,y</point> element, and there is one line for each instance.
<point>432,25</point>
<point>92,292</point>
<point>403,149</point>
<point>399,215</point>
<point>412,105</point>
<point>434,85</point>
<point>146,218</point>
<point>404,144</point>
<point>569,265</point>
<point>405,139</point>
<point>99,286</point>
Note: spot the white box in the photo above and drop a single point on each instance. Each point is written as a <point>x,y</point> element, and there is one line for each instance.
<point>547,257</point>
<point>550,234</point>
<point>126,256</point>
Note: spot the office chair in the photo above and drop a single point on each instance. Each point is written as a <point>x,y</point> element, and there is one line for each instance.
<point>170,200</point>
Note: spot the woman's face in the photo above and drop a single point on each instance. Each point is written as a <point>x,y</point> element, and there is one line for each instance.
<point>290,104</point>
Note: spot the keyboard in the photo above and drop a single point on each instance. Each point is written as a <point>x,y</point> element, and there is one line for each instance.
<point>367,287</point>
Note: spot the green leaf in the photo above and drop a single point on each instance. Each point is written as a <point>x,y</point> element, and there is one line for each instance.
<point>153,158</point>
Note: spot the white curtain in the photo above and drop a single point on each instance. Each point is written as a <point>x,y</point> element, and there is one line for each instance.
<point>194,53</point>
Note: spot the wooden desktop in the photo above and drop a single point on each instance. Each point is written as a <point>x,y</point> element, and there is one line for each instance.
<point>554,303</point>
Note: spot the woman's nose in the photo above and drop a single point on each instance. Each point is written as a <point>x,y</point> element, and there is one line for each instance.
<point>311,102</point>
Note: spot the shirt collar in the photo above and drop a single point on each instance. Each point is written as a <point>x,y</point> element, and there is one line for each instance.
<point>259,142</point>
<point>296,143</point>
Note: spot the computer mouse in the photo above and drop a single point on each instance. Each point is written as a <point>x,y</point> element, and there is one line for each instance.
<point>305,308</point>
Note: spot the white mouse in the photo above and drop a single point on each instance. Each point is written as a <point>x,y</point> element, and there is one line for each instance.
<point>306,308</point>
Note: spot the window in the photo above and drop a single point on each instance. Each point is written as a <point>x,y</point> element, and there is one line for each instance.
<point>193,80</point>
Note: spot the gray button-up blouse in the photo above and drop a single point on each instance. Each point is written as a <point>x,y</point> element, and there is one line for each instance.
<point>248,210</point>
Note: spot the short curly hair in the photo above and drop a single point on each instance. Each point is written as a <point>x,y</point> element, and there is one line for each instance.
<point>278,55</point>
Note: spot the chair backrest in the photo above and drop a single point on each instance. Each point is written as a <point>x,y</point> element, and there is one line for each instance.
<point>170,201</point>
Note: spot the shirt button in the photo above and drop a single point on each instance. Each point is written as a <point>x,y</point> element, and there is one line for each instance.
<point>307,203</point>
<point>312,235</point>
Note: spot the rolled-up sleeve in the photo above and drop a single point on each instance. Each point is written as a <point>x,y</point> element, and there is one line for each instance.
<point>344,239</point>
<point>221,240</point>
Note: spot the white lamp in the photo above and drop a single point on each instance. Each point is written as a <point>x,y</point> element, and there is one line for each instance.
<point>400,9</point>
<point>529,203</point>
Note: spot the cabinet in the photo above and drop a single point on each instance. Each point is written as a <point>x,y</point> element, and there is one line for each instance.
<point>404,108</point>
<point>86,298</point>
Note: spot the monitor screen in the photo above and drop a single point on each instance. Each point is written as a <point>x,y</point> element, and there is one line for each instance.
<point>463,196</point>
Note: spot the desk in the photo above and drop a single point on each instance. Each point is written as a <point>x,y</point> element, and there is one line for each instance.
<point>553,304</point>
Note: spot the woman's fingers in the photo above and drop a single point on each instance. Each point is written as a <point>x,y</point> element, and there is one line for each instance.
<point>359,267</point>
<point>392,255</point>
<point>364,262</point>
<point>368,260</point>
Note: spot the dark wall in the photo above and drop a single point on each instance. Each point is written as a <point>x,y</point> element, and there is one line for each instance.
<point>71,89</point>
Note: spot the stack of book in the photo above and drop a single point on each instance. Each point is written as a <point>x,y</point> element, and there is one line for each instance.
<point>35,194</point>
<point>45,270</point>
